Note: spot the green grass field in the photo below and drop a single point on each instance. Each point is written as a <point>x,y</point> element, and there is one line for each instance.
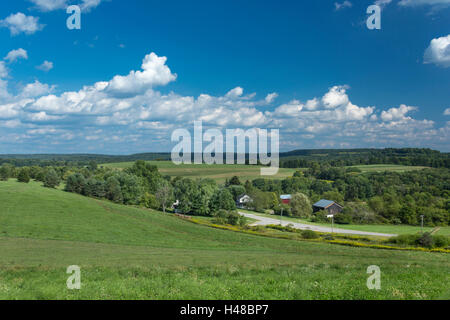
<point>222,172</point>
<point>381,228</point>
<point>218,173</point>
<point>131,253</point>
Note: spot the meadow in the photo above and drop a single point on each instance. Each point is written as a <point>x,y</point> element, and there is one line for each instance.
<point>219,173</point>
<point>132,253</point>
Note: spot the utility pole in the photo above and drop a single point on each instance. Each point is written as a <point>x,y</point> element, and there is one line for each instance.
<point>332,222</point>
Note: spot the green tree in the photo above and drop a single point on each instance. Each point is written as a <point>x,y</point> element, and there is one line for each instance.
<point>113,190</point>
<point>234,181</point>
<point>75,183</point>
<point>4,173</point>
<point>23,175</point>
<point>51,179</point>
<point>300,206</point>
<point>164,194</point>
<point>222,199</point>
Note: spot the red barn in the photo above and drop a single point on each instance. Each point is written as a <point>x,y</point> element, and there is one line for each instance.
<point>286,198</point>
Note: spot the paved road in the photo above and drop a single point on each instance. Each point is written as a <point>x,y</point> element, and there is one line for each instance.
<point>264,221</point>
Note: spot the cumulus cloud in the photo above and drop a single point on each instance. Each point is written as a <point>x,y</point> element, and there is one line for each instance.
<point>438,52</point>
<point>14,55</point>
<point>447,112</point>
<point>20,23</point>
<point>396,114</point>
<point>51,5</point>
<point>137,117</point>
<point>45,66</point>
<point>36,89</point>
<point>154,72</point>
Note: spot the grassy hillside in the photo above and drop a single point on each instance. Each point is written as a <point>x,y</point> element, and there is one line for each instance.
<point>133,253</point>
<point>218,173</point>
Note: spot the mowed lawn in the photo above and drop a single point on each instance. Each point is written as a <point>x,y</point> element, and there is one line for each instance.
<point>217,172</point>
<point>132,253</point>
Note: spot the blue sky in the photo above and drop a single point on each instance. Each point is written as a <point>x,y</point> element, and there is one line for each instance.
<point>311,69</point>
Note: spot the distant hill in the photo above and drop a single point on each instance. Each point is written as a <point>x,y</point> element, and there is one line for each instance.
<point>291,159</point>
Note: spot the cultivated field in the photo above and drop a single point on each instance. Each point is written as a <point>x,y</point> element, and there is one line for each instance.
<point>219,173</point>
<point>131,253</point>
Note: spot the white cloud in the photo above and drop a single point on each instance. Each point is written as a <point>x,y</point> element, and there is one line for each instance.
<point>438,52</point>
<point>382,3</point>
<point>235,93</point>
<point>154,72</point>
<point>335,97</point>
<point>36,89</point>
<point>134,118</point>
<point>3,70</point>
<point>447,112</point>
<point>88,5</point>
<point>414,3</point>
<point>20,23</point>
<point>343,5</point>
<point>50,5</point>
<point>271,97</point>
<point>42,117</point>
<point>14,55</point>
<point>45,66</point>
<point>397,114</point>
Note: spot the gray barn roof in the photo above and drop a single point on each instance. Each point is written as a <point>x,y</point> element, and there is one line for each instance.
<point>323,203</point>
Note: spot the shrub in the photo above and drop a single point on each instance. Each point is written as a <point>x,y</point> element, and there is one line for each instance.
<point>405,239</point>
<point>441,241</point>
<point>343,218</point>
<point>309,234</point>
<point>426,240</point>
<point>233,218</point>
<point>320,216</point>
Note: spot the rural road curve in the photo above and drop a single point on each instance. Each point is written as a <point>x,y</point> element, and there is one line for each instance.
<point>264,221</point>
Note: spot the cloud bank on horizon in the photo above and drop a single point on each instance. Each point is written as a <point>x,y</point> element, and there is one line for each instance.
<point>130,110</point>
<point>130,113</point>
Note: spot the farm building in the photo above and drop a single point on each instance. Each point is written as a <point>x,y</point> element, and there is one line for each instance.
<point>331,207</point>
<point>243,201</point>
<point>286,198</point>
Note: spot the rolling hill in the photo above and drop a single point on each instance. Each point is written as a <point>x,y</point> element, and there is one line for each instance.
<point>132,253</point>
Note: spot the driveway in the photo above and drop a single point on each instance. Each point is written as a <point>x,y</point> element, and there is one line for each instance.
<point>264,221</point>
